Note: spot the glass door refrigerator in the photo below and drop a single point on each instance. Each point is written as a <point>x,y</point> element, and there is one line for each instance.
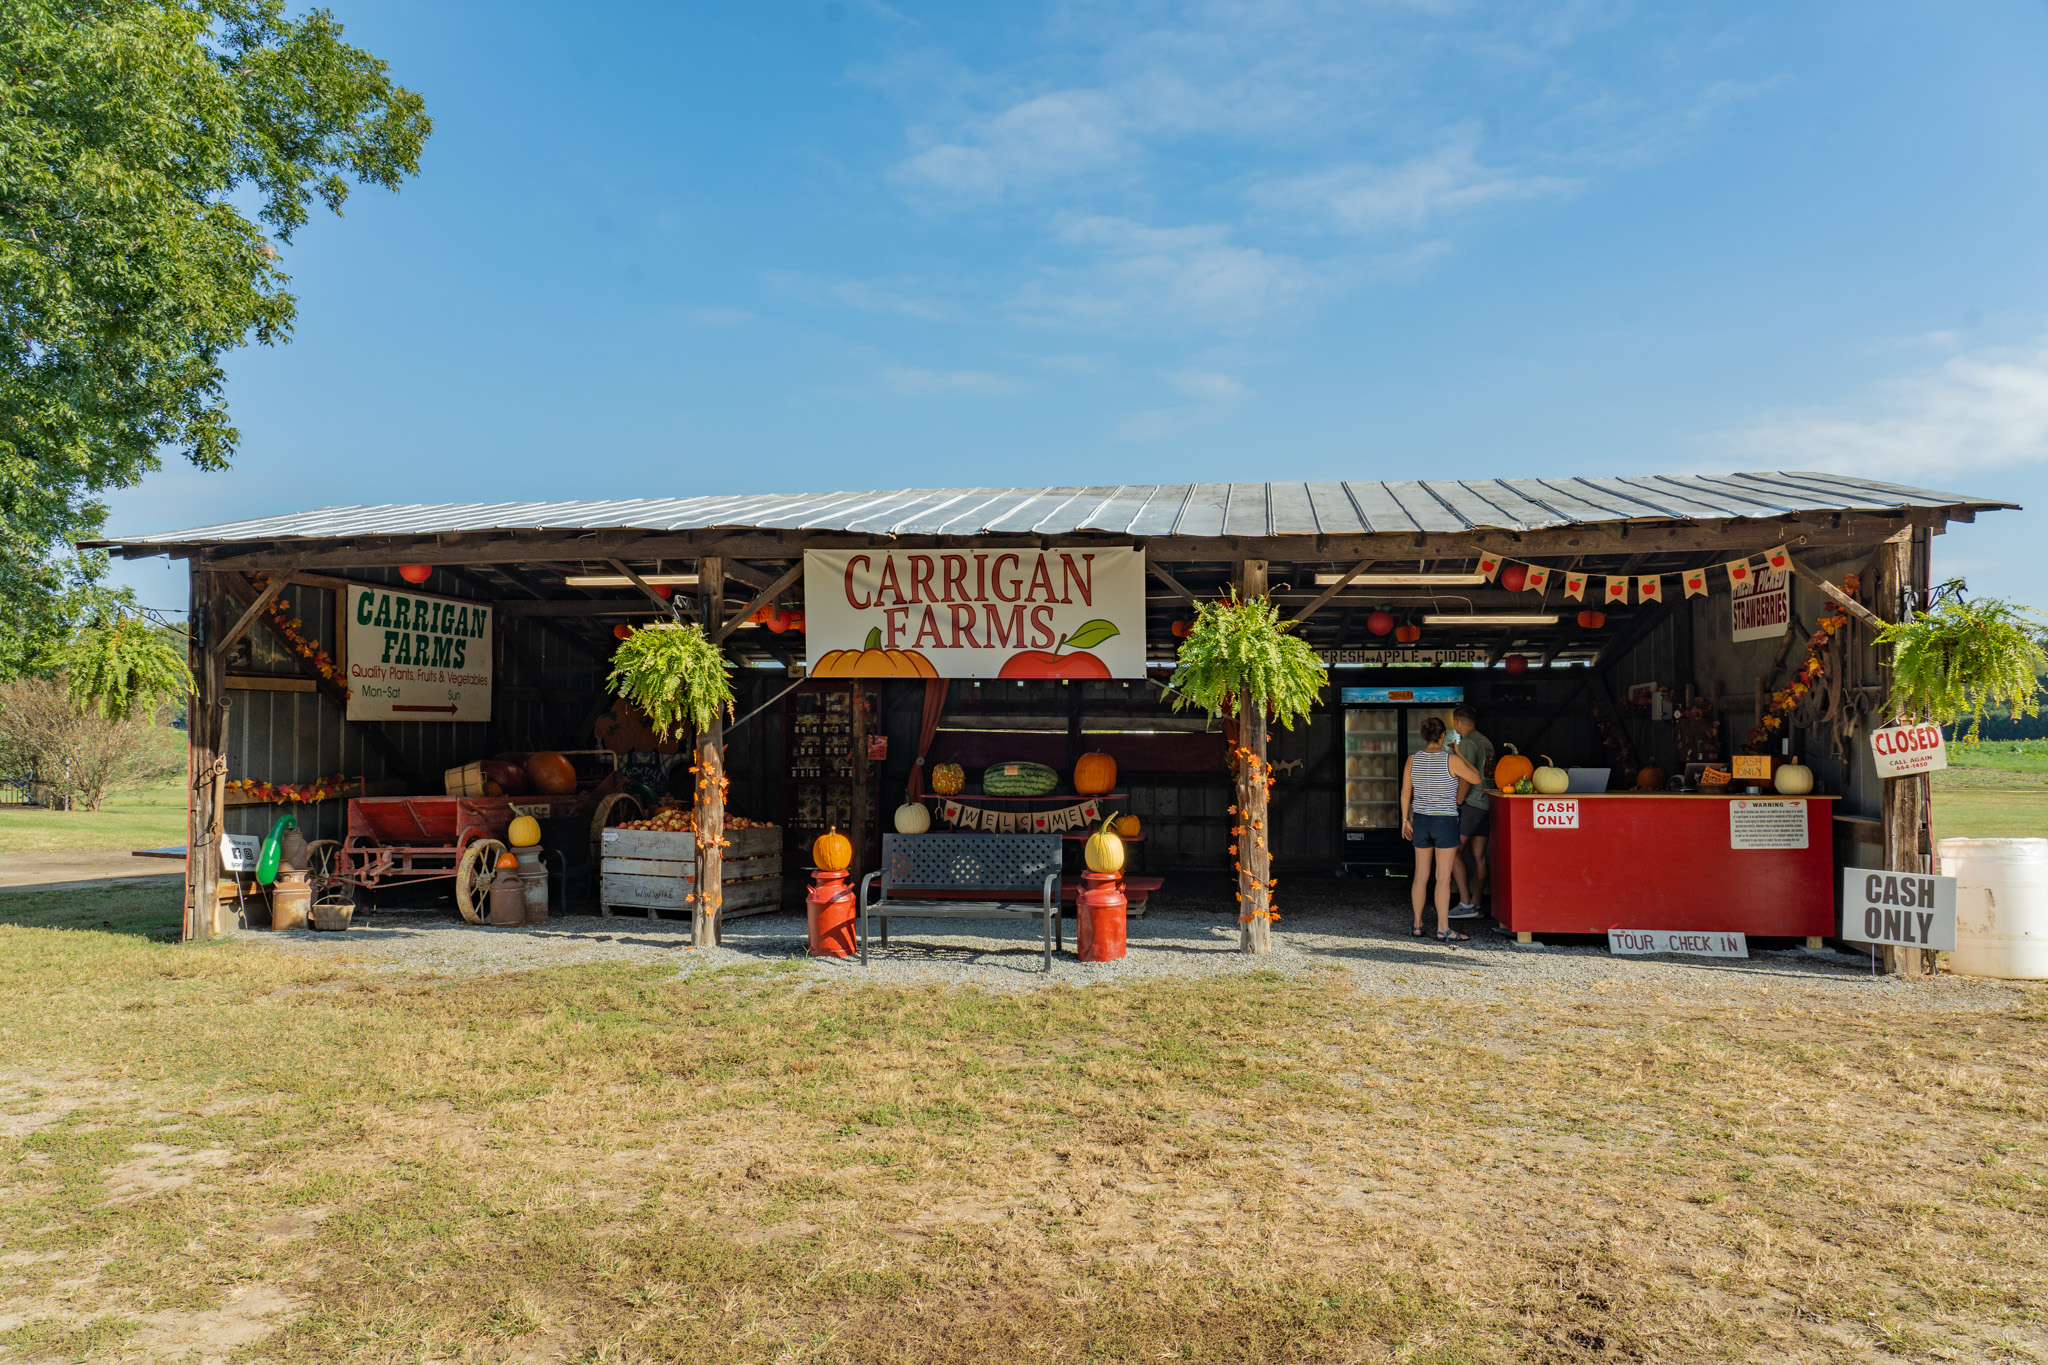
<point>1382,726</point>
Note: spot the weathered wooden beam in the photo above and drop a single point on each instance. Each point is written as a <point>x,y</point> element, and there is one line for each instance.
<point>667,604</point>
<point>264,682</point>
<point>248,618</point>
<point>1328,594</point>
<point>759,600</point>
<point>524,610</point>
<point>1158,571</point>
<point>1836,595</point>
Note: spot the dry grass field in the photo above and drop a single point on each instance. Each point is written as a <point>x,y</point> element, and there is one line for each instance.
<point>246,1155</point>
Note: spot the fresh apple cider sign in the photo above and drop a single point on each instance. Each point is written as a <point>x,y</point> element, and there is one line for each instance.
<point>975,613</point>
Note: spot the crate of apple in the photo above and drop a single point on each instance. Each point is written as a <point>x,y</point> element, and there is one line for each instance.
<point>683,820</point>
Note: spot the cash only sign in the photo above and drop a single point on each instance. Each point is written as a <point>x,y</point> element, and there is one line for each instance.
<point>416,657</point>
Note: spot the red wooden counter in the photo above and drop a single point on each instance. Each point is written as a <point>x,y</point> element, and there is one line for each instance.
<point>1661,860</point>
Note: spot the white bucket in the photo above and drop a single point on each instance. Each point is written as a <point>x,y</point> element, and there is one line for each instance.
<point>2001,906</point>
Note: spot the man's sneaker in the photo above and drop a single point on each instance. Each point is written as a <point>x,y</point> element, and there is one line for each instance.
<point>1466,912</point>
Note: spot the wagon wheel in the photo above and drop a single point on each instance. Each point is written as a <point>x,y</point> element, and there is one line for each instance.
<point>623,806</point>
<point>473,875</point>
<point>320,863</point>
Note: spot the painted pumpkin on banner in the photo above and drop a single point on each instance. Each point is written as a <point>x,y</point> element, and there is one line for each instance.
<point>1094,774</point>
<point>873,661</point>
<point>949,779</point>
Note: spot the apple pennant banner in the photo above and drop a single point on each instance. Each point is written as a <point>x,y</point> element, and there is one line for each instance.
<point>1695,582</point>
<point>1617,590</point>
<point>1779,557</point>
<point>1650,588</point>
<point>1738,572</point>
<point>1489,565</point>
<point>1537,580</point>
<point>1575,586</point>
<point>949,811</point>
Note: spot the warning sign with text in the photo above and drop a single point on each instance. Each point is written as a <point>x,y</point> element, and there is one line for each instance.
<point>1767,824</point>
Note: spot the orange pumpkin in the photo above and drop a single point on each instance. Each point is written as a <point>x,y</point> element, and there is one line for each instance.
<point>1408,634</point>
<point>1651,779</point>
<point>552,774</point>
<point>1094,774</point>
<point>1128,827</point>
<point>832,851</point>
<point>948,779</point>
<point>1592,620</point>
<point>873,661</point>
<point>1511,768</point>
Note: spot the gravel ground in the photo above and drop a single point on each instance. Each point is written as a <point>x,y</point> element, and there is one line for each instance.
<point>1359,927</point>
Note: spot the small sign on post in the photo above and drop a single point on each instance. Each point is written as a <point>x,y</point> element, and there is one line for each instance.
<point>238,852</point>
<point>1903,909</point>
<point>1908,750</point>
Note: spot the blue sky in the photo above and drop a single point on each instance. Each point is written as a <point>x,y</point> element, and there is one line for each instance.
<point>701,248</point>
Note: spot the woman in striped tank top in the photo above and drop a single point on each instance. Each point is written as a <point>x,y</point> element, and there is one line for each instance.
<point>1432,785</point>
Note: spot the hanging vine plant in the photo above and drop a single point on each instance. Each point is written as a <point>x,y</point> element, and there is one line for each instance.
<point>675,674</point>
<point>1962,658</point>
<point>1239,648</point>
<point>119,661</point>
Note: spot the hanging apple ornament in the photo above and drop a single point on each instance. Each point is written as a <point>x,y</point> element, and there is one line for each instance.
<point>1517,665</point>
<point>415,573</point>
<point>663,590</point>
<point>622,631</point>
<point>1380,622</point>
<point>1515,577</point>
<point>778,620</point>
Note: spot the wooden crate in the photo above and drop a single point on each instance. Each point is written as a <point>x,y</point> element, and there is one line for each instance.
<point>653,870</point>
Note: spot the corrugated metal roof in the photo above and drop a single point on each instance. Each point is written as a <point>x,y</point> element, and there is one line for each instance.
<point>1206,509</point>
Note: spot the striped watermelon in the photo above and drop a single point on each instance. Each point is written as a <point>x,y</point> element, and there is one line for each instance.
<point>1018,779</point>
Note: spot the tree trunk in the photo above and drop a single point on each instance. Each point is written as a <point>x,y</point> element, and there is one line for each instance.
<point>710,764</point>
<point>1254,812</point>
<point>1904,809</point>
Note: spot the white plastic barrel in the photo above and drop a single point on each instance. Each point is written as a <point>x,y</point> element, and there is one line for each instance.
<point>2001,906</point>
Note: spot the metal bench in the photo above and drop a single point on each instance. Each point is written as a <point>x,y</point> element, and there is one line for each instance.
<point>1005,868</point>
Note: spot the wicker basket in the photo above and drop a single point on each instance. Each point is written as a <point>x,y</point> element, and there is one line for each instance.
<point>333,914</point>
<point>467,780</point>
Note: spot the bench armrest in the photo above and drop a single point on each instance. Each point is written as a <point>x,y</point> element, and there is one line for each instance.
<point>865,883</point>
<point>1052,891</point>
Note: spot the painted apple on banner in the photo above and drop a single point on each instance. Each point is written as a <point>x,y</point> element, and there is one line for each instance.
<point>1060,613</point>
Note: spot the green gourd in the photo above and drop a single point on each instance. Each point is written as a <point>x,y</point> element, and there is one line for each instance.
<point>273,850</point>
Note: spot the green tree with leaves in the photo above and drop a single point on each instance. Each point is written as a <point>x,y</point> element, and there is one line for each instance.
<point>132,133</point>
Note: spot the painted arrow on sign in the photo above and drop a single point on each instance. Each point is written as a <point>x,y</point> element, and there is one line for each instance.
<point>448,710</point>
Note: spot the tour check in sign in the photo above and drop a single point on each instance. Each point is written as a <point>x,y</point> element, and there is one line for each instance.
<point>415,657</point>
<point>1022,613</point>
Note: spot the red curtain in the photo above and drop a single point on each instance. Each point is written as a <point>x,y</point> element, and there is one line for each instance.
<point>934,707</point>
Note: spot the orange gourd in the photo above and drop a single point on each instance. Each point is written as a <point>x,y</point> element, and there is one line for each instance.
<point>1128,827</point>
<point>1651,779</point>
<point>1094,774</point>
<point>948,779</point>
<point>832,851</point>
<point>552,774</point>
<point>1511,768</point>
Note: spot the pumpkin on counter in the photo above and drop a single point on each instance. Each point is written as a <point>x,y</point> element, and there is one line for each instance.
<point>832,851</point>
<point>949,779</point>
<point>1094,774</point>
<point>913,817</point>
<point>1550,780</point>
<point>1793,779</point>
<point>1104,851</point>
<point>1651,779</point>
<point>1510,768</point>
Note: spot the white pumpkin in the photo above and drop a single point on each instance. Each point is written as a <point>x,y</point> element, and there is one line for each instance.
<point>1549,780</point>
<point>1793,779</point>
<point>913,817</point>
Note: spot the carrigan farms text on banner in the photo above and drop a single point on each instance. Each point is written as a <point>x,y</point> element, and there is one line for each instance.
<point>1066,613</point>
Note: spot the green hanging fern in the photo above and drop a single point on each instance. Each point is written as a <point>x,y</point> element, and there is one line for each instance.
<point>1236,646</point>
<point>118,662</point>
<point>674,673</point>
<point>1962,658</point>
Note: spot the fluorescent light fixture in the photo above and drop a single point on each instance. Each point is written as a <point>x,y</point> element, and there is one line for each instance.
<point>1502,618</point>
<point>619,580</point>
<point>1404,580</point>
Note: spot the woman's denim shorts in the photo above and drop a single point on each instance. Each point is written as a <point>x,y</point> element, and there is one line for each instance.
<point>1435,831</point>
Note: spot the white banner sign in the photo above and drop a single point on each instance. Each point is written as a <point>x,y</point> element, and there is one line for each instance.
<point>1904,909</point>
<point>414,657</point>
<point>1903,750</point>
<point>1767,824</point>
<point>1693,942</point>
<point>1547,813</point>
<point>1069,613</point>
<point>1762,605</point>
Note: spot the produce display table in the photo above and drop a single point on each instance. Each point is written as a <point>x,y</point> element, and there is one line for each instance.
<point>1656,860</point>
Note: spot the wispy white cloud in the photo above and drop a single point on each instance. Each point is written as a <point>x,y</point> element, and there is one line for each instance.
<point>910,382</point>
<point>1143,274</point>
<point>1413,194</point>
<point>1211,386</point>
<point>1028,145</point>
<point>1982,410</point>
<point>869,296</point>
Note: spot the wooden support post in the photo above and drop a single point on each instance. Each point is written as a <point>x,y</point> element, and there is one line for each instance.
<point>206,763</point>
<point>1903,813</point>
<point>710,805</point>
<point>1254,810</point>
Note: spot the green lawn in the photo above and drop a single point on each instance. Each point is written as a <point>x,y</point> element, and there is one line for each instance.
<point>140,817</point>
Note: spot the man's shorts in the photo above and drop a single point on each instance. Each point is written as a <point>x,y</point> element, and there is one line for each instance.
<point>1472,820</point>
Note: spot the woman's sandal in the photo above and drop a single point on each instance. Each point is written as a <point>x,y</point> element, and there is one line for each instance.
<point>1417,931</point>
<point>1453,936</point>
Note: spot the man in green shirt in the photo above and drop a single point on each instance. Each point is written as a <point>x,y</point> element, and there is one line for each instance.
<point>1473,815</point>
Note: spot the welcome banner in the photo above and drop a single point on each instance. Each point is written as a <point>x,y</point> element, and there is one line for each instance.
<point>1066,613</point>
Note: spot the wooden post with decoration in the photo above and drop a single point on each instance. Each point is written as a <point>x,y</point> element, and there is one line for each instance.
<point>709,770</point>
<point>1903,808</point>
<point>1253,829</point>
<point>206,762</point>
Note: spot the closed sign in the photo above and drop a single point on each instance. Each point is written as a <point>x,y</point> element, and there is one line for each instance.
<point>1553,814</point>
<point>1903,750</point>
<point>1904,909</point>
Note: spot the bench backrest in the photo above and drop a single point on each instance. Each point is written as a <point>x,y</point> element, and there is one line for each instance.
<point>1005,863</point>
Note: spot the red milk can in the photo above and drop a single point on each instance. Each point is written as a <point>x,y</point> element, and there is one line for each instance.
<point>829,910</point>
<point>1099,917</point>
